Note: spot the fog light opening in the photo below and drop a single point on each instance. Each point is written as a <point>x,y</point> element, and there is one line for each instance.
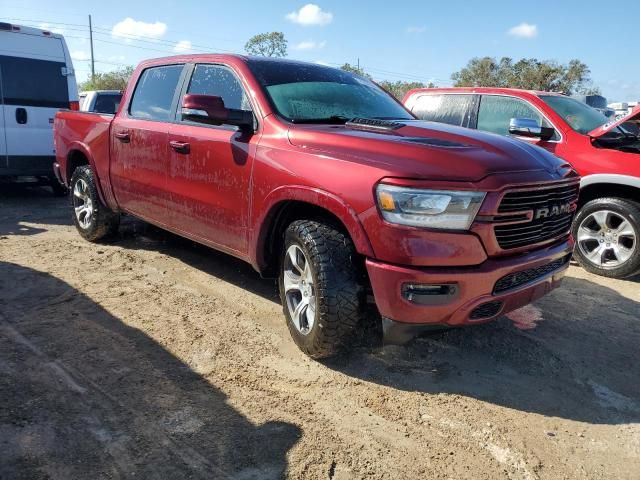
<point>429,294</point>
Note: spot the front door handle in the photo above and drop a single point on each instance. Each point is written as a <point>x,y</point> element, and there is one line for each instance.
<point>180,147</point>
<point>21,115</point>
<point>123,136</point>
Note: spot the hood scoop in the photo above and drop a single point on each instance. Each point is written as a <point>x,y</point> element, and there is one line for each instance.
<point>437,142</point>
<point>374,125</point>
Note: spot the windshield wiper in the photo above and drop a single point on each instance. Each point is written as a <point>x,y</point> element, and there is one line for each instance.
<point>332,120</point>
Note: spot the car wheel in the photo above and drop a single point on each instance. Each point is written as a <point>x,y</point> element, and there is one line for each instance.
<point>607,231</point>
<point>58,189</point>
<point>321,287</point>
<point>93,220</point>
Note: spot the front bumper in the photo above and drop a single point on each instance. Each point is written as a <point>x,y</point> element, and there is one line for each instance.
<point>473,288</point>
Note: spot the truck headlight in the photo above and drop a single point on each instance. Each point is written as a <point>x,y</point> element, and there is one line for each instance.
<point>451,210</point>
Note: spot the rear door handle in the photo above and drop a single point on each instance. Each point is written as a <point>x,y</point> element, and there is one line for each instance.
<point>123,136</point>
<point>180,147</point>
<point>21,116</point>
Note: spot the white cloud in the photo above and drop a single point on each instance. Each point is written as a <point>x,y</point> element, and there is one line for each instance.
<point>182,46</point>
<point>134,29</point>
<point>414,29</point>
<point>310,45</point>
<point>524,30</point>
<point>322,62</point>
<point>116,58</point>
<point>80,56</point>
<point>310,14</point>
<point>49,28</point>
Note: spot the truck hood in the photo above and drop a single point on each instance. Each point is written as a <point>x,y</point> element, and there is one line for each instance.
<point>419,149</point>
<point>633,116</point>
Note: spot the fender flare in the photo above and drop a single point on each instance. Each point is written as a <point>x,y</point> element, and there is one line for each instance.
<point>77,146</point>
<point>313,196</point>
<point>596,178</point>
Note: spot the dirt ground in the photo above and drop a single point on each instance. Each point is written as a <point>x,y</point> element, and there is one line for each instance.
<point>151,357</point>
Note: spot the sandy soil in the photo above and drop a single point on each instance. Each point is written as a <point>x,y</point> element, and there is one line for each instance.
<point>152,357</point>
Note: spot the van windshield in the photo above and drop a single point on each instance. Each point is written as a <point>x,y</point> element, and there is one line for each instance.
<point>307,93</point>
<point>581,117</point>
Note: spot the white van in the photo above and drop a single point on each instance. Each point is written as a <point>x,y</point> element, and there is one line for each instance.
<point>36,80</point>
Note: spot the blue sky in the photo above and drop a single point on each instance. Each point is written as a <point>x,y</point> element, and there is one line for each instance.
<point>408,40</point>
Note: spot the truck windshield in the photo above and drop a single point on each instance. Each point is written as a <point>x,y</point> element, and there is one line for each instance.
<point>580,116</point>
<point>307,93</point>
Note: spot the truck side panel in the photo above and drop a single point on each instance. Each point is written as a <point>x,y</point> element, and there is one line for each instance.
<point>83,137</point>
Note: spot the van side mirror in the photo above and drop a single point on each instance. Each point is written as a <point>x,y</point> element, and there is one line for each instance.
<point>527,127</point>
<point>211,110</point>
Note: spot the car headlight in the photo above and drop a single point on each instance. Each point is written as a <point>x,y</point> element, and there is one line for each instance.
<point>451,210</point>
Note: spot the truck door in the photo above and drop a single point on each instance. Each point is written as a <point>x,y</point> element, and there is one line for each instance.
<point>140,151</point>
<point>3,138</point>
<point>496,111</point>
<point>210,170</point>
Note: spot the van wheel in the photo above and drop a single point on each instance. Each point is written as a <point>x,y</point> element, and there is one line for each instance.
<point>607,231</point>
<point>320,287</point>
<point>59,190</point>
<point>94,221</point>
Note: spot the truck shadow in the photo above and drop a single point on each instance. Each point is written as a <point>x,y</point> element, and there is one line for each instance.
<point>22,204</point>
<point>84,395</point>
<point>138,235</point>
<point>577,360</point>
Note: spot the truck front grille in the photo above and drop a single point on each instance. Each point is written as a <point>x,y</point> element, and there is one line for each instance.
<point>518,279</point>
<point>551,212</point>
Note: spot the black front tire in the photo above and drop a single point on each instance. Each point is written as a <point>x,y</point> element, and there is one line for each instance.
<point>623,209</point>
<point>338,287</point>
<point>103,222</point>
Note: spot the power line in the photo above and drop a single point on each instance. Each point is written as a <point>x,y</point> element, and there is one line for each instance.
<point>45,21</point>
<point>128,40</point>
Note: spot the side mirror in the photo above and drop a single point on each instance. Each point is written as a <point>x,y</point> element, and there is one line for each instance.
<point>527,127</point>
<point>210,109</point>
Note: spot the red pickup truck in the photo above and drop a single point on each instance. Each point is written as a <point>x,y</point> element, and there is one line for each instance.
<point>319,177</point>
<point>605,152</point>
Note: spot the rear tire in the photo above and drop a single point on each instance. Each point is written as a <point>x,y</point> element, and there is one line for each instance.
<point>321,288</point>
<point>607,232</point>
<point>93,220</point>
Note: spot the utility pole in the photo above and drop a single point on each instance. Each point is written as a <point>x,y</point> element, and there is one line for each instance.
<point>358,64</point>
<point>93,68</point>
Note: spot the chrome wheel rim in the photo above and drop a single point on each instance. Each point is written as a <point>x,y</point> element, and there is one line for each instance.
<point>299,289</point>
<point>82,204</point>
<point>607,239</point>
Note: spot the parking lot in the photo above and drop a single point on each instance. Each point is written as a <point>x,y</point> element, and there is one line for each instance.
<point>153,357</point>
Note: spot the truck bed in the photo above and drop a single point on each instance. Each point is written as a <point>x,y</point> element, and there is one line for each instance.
<point>82,133</point>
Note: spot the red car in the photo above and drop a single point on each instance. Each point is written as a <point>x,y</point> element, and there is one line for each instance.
<point>605,152</point>
<point>319,177</point>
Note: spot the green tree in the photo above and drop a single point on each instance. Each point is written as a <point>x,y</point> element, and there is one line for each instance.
<point>271,44</point>
<point>115,80</point>
<point>527,73</point>
<point>400,88</point>
<point>347,67</point>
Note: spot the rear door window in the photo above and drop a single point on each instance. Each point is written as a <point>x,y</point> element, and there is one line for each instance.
<point>496,112</point>
<point>453,109</point>
<point>33,83</point>
<point>219,81</point>
<point>153,96</point>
